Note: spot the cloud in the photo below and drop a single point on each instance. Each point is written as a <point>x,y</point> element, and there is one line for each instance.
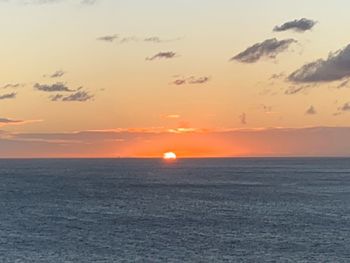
<point>297,89</point>
<point>79,96</point>
<point>127,39</point>
<point>277,76</point>
<point>39,2</point>
<point>159,40</point>
<point>57,87</point>
<point>243,118</point>
<point>344,84</point>
<point>191,80</point>
<point>108,38</point>
<point>162,55</point>
<point>56,74</point>
<point>10,85</point>
<point>8,96</point>
<point>270,48</point>
<point>266,109</point>
<point>88,2</point>
<point>345,107</point>
<point>311,111</point>
<point>42,2</point>
<point>313,141</point>
<point>335,67</point>
<point>300,25</point>
<point>7,122</point>
<point>153,39</point>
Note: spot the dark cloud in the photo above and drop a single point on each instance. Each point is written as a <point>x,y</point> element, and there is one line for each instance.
<point>57,87</point>
<point>79,96</point>
<point>191,80</point>
<point>8,96</point>
<point>162,55</point>
<point>270,48</point>
<point>300,25</point>
<point>311,111</point>
<point>335,67</point>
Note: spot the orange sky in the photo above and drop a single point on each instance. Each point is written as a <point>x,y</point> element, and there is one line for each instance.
<point>201,78</point>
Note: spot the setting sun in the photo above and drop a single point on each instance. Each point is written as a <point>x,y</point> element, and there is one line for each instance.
<point>169,156</point>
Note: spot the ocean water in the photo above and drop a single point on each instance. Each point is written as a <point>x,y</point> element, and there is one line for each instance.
<point>201,210</point>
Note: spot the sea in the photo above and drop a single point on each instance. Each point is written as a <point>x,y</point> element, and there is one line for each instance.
<point>188,210</point>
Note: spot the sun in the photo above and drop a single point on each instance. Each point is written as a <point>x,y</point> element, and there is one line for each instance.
<point>169,156</point>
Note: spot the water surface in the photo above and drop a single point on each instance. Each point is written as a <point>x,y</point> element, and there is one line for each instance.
<point>192,210</point>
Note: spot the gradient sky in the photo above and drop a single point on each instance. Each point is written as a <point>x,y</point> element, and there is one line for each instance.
<point>136,78</point>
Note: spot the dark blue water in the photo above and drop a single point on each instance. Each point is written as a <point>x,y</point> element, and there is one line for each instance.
<point>205,210</point>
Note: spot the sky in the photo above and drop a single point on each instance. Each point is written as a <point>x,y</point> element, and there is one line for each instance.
<point>113,78</point>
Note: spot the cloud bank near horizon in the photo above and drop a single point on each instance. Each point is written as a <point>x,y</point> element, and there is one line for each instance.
<point>316,141</point>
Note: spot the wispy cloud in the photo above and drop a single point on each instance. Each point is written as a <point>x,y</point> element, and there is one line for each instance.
<point>270,48</point>
<point>43,2</point>
<point>89,2</point>
<point>300,25</point>
<point>345,107</point>
<point>108,38</point>
<point>311,111</point>
<point>192,80</point>
<point>7,122</point>
<point>11,85</point>
<point>243,118</point>
<point>291,90</point>
<point>57,87</point>
<point>162,55</point>
<point>8,96</point>
<point>56,74</point>
<point>277,76</point>
<point>79,96</point>
<point>344,84</point>
<point>127,39</point>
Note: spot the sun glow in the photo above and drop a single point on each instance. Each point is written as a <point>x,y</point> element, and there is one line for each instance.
<point>169,156</point>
